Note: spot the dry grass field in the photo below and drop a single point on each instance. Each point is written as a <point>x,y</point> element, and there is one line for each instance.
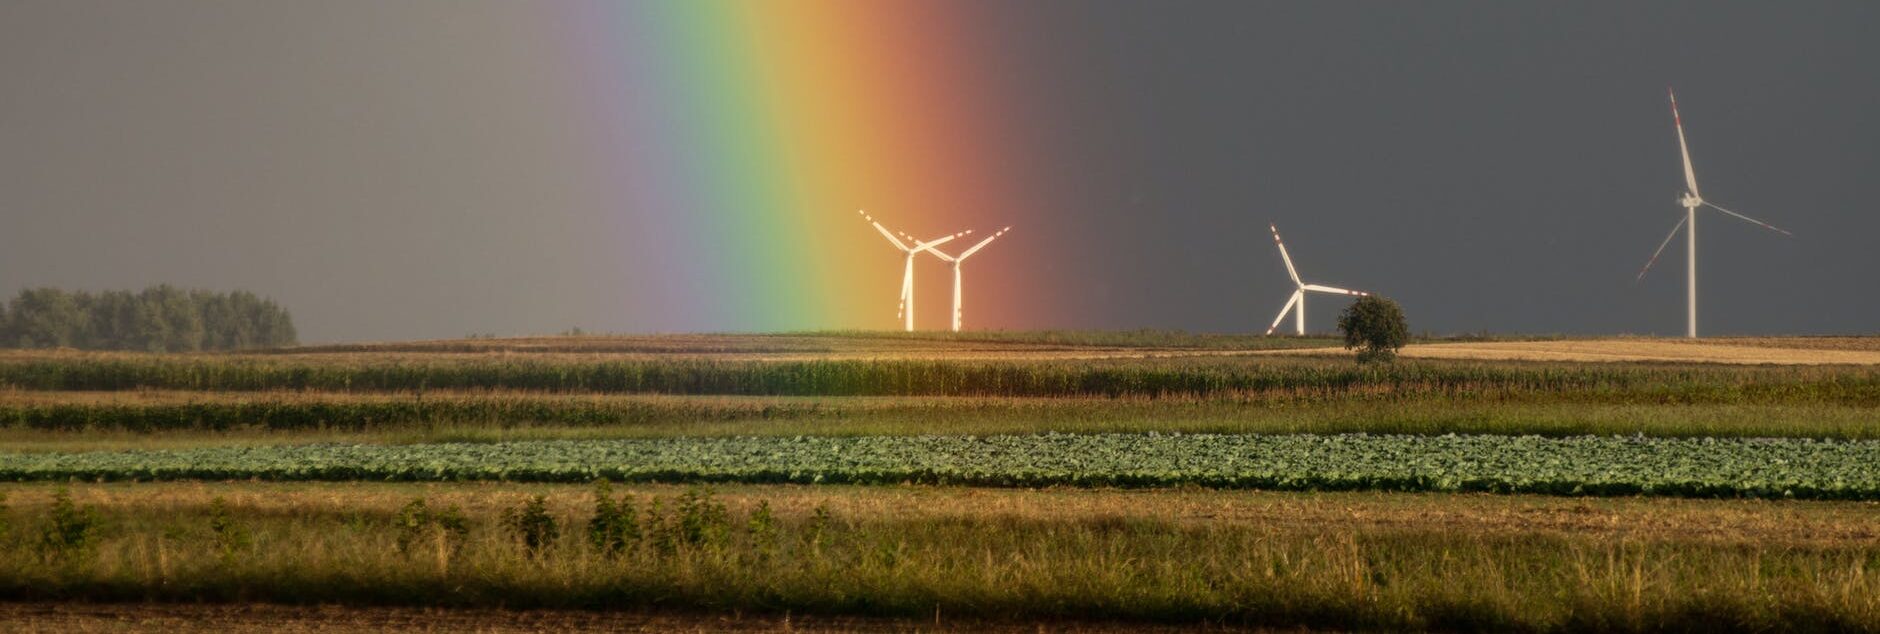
<point>1769,350</point>
<point>224,556</point>
<point>252,618</point>
<point>144,618</point>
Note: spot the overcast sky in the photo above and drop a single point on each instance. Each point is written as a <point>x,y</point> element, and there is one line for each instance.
<point>1496,166</point>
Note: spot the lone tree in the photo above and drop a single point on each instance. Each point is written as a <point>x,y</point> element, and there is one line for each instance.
<point>1375,326</point>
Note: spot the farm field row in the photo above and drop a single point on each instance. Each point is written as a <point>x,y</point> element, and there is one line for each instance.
<point>1798,351</point>
<point>1149,377</point>
<point>1773,468</point>
<point>1288,560</point>
<point>72,421</point>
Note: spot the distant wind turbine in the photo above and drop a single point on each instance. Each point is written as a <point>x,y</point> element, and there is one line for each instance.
<point>1298,299</point>
<point>1691,201</point>
<point>906,309</point>
<point>957,261</point>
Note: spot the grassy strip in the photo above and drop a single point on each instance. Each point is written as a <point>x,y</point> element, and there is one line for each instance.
<point>1141,338</point>
<point>1775,468</point>
<point>1191,377</point>
<point>67,421</point>
<point>1097,555</point>
<point>834,341</point>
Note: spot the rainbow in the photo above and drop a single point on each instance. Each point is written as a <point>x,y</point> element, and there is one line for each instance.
<point>745,135</point>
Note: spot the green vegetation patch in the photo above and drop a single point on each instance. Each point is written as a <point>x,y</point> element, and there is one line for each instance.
<point>1197,377</point>
<point>779,551</point>
<point>1774,468</point>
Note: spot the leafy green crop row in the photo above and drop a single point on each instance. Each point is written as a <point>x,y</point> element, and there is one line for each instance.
<point>1511,464</point>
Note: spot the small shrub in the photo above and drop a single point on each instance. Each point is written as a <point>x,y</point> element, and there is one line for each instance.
<point>660,532</point>
<point>71,531</point>
<point>454,525</point>
<point>231,537</point>
<point>417,523</point>
<point>532,526</point>
<point>762,529</point>
<point>3,515</point>
<point>1375,326</point>
<point>819,522</point>
<point>703,521</point>
<point>615,527</point>
<point>413,521</point>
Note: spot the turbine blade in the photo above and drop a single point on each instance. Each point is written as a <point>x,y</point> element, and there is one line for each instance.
<point>1758,223</point>
<point>1282,312</point>
<point>942,255</point>
<point>982,243</point>
<point>1333,290</point>
<point>1690,176</point>
<point>927,246</point>
<point>1661,247</point>
<point>1284,256</point>
<point>885,233</point>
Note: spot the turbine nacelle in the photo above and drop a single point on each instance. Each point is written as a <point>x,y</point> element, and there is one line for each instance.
<point>1689,200</point>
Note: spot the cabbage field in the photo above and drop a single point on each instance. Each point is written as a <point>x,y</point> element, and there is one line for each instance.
<point>1770,468</point>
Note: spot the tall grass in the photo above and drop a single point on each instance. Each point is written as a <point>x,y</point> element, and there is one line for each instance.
<point>76,421</point>
<point>1104,378</point>
<point>1109,565</point>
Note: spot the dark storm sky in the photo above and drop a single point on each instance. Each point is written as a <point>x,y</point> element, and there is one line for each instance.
<point>1494,166</point>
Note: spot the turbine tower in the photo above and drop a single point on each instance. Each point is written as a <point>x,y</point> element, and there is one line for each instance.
<point>956,269</point>
<point>1298,299</point>
<point>1690,200</point>
<point>906,309</point>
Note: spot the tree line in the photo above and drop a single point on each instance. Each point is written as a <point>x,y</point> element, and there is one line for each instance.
<point>161,318</point>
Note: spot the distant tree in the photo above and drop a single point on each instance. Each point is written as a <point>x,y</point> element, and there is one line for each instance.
<point>271,326</point>
<point>158,319</point>
<point>1375,326</point>
<point>44,318</point>
<point>112,316</point>
<point>181,318</point>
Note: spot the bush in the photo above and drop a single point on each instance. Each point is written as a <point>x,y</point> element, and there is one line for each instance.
<point>819,523</point>
<point>1375,326</point>
<point>532,526</point>
<point>231,537</point>
<point>615,527</point>
<point>417,523</point>
<point>72,530</point>
<point>703,521</point>
<point>762,529</point>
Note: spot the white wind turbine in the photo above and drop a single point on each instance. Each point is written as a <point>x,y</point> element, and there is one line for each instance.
<point>1299,295</point>
<point>956,269</point>
<point>906,309</point>
<point>1691,201</point>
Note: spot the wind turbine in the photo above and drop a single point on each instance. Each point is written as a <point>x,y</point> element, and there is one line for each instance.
<point>906,309</point>
<point>1299,295</point>
<point>956,269</point>
<point>1691,201</point>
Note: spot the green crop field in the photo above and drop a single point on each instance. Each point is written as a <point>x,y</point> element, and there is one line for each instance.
<point>1118,480</point>
<point>1586,465</point>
